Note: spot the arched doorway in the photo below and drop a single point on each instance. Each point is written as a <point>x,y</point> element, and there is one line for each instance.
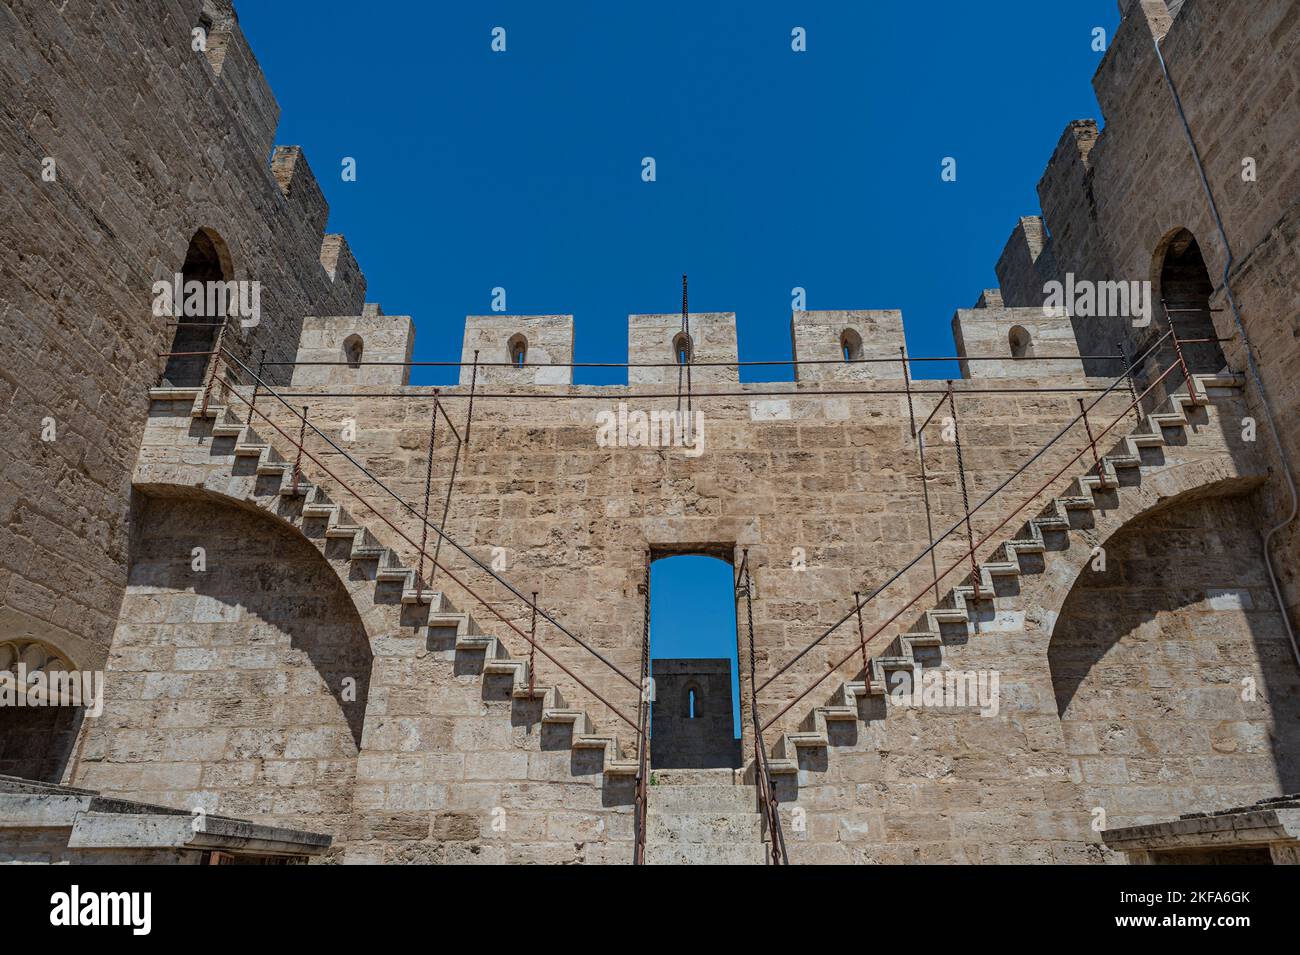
<point>206,260</point>
<point>38,734</point>
<point>695,717</point>
<point>1183,293</point>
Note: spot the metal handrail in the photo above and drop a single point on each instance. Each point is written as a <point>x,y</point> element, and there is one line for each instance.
<point>434,562</point>
<point>975,547</point>
<point>643,731</point>
<point>960,523</point>
<point>433,527</point>
<point>768,804</point>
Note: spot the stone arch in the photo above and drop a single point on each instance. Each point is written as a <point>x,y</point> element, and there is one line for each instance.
<point>692,700</point>
<point>1181,290</point>
<point>246,676</point>
<point>683,348</point>
<point>1020,342</point>
<point>1151,660</point>
<point>517,350</point>
<point>353,350</point>
<point>37,741</point>
<point>207,259</point>
<point>850,345</point>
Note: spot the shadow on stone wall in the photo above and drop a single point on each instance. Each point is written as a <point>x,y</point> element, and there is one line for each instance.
<point>1172,671</point>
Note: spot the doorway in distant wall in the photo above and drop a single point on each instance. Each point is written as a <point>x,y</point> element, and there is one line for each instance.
<point>206,260</point>
<point>1184,292</point>
<point>695,717</point>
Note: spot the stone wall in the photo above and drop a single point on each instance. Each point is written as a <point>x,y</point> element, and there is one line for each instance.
<point>1160,726</point>
<point>1172,673</point>
<point>691,717</point>
<point>150,141</point>
<point>240,689</point>
<point>838,477</point>
<point>1112,198</point>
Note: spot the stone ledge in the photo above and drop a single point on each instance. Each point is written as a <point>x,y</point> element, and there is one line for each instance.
<point>98,822</point>
<point>1267,822</point>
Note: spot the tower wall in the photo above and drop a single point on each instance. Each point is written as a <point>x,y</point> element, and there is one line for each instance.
<point>141,162</point>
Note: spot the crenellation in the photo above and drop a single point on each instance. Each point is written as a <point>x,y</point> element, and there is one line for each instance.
<point>538,346</point>
<point>245,89</point>
<point>1019,340</point>
<point>298,183</point>
<point>659,340</point>
<point>358,341</point>
<point>826,343</point>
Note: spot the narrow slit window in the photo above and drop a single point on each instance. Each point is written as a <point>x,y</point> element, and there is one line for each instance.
<point>517,348</point>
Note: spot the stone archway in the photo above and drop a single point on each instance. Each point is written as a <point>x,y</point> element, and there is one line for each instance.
<point>36,741</point>
<point>207,259</point>
<point>1169,669</point>
<point>239,674</point>
<point>1183,288</point>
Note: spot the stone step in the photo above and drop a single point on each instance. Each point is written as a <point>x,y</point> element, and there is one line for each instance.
<point>700,826</point>
<point>706,853</point>
<point>695,777</point>
<point>702,798</point>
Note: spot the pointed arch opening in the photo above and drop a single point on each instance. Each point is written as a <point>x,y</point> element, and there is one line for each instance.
<point>1182,292</point>
<point>194,326</point>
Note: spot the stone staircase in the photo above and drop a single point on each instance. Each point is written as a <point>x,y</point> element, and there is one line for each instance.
<point>703,817</point>
<point>959,606</point>
<point>320,520</point>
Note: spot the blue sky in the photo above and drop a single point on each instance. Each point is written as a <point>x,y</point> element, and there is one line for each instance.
<point>775,169</point>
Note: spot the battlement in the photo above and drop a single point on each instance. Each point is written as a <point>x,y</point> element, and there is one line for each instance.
<point>828,336</point>
<point>828,346</point>
<point>659,338</point>
<point>246,92</point>
<point>524,341</point>
<point>1026,336</point>
<point>356,340</point>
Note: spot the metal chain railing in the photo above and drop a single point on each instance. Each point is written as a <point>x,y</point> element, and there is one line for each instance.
<point>643,729</point>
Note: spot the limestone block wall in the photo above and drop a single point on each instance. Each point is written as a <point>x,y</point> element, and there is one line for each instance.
<point>824,337</point>
<point>454,770</point>
<point>223,687</point>
<point>545,340</point>
<point>1157,648</point>
<point>1172,672</point>
<point>653,339</point>
<point>357,340</point>
<point>838,477</point>
<point>451,768</point>
<point>1112,198</point>
<point>142,160</point>
<point>240,689</point>
<point>1025,336</point>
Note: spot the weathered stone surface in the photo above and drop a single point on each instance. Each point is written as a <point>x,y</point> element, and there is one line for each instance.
<point>1161,683</point>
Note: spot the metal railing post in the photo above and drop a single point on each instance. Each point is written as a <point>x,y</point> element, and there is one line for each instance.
<point>643,729</point>
<point>297,462</point>
<point>1092,442</point>
<point>428,483</point>
<point>965,501</point>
